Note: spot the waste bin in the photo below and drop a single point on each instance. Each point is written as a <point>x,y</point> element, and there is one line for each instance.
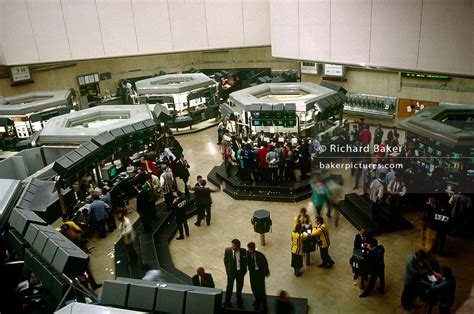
<point>261,223</point>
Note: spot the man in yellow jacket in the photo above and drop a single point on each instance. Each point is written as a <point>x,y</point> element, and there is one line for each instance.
<point>322,232</point>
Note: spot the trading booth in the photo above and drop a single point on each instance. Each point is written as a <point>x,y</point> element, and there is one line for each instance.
<point>22,115</point>
<point>78,127</point>
<point>285,107</point>
<point>441,139</point>
<point>189,98</point>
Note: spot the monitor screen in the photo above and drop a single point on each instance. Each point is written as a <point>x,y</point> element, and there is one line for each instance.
<point>278,114</point>
<point>257,122</point>
<point>290,123</point>
<point>279,122</point>
<point>290,115</point>
<point>112,172</point>
<point>267,122</point>
<point>255,115</point>
<point>266,114</point>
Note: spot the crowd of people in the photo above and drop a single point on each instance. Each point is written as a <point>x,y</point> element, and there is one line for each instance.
<point>269,159</point>
<point>275,159</point>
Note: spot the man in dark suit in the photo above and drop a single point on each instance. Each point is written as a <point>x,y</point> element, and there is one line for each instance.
<point>235,261</point>
<point>258,269</point>
<point>179,209</point>
<point>202,279</point>
<point>203,201</point>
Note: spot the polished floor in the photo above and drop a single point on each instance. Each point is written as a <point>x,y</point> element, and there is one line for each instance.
<point>328,291</point>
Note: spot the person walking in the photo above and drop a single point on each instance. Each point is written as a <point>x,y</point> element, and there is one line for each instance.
<point>128,235</point>
<point>179,209</point>
<point>203,279</point>
<point>203,201</point>
<point>235,262</point>
<point>258,270</point>
<point>320,195</point>
<point>297,238</point>
<point>322,232</point>
<point>375,255</point>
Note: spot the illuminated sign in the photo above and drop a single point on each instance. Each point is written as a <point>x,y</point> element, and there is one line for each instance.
<point>20,73</point>
<point>426,76</point>
<point>334,70</point>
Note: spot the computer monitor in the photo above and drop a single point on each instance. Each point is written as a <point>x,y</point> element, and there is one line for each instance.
<point>267,122</point>
<point>109,172</point>
<point>257,122</point>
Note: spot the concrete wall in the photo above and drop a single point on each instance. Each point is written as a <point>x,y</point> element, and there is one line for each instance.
<point>358,80</point>
<point>61,30</point>
<point>389,84</point>
<point>424,35</point>
<point>127,67</point>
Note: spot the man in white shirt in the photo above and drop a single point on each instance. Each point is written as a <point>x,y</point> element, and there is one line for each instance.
<point>235,261</point>
<point>396,190</point>
<point>376,195</point>
<point>258,269</point>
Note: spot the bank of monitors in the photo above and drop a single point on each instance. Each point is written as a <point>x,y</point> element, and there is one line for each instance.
<point>281,115</point>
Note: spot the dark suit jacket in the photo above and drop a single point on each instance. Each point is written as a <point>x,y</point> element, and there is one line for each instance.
<point>262,264</point>
<point>229,261</point>
<point>142,203</point>
<point>179,209</point>
<point>202,196</point>
<point>207,278</point>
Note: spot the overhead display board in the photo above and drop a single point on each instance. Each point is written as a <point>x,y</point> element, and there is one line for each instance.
<point>335,70</point>
<point>308,67</point>
<point>20,74</point>
<point>426,76</point>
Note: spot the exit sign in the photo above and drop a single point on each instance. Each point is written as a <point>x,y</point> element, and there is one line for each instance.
<point>426,76</point>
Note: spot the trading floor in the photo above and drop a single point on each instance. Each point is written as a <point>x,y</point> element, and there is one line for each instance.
<point>327,290</point>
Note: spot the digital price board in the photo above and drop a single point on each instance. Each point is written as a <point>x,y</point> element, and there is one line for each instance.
<point>426,76</point>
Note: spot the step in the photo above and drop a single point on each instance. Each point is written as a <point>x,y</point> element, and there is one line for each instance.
<point>358,218</point>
